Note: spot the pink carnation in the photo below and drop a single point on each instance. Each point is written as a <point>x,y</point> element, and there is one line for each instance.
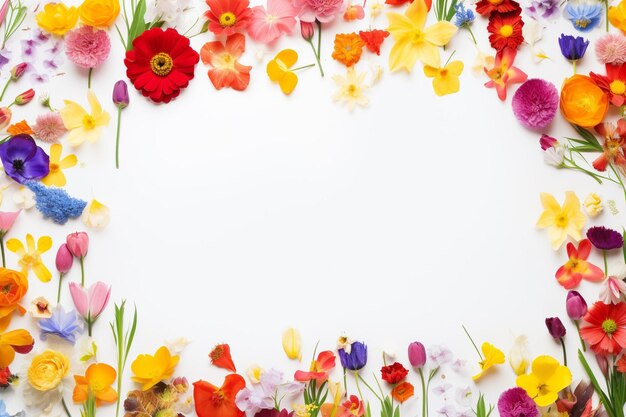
<point>49,127</point>
<point>87,47</point>
<point>268,25</point>
<point>611,49</point>
<point>323,10</point>
<point>535,103</point>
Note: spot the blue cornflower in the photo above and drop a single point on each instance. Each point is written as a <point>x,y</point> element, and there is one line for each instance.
<point>584,16</point>
<point>65,325</point>
<point>463,17</point>
<point>55,203</point>
<point>573,48</point>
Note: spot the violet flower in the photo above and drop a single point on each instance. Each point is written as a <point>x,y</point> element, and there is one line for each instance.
<point>543,9</point>
<point>515,402</point>
<point>573,48</point>
<point>67,326</point>
<point>604,238</point>
<point>23,160</point>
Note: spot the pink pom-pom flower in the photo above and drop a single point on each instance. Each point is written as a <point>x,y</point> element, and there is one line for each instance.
<point>87,47</point>
<point>535,103</point>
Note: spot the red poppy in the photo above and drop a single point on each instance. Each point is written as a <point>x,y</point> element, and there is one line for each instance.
<point>505,30</point>
<point>220,357</point>
<point>212,401</point>
<point>227,71</point>
<point>605,328</point>
<point>394,373</point>
<point>613,83</point>
<point>486,7</point>
<point>373,39</point>
<point>403,391</point>
<point>429,3</point>
<point>613,145</point>
<point>228,16</point>
<point>319,368</point>
<point>160,64</point>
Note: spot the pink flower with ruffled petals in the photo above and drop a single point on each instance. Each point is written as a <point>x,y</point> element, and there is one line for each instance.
<point>268,25</point>
<point>322,10</point>
<point>87,47</point>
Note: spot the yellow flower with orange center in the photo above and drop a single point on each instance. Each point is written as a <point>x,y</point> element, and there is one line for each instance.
<point>95,385</point>
<point>56,176</point>
<point>348,48</point>
<point>30,255</point>
<point>84,126</point>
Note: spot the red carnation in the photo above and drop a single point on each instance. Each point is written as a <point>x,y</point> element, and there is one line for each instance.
<point>161,64</point>
<point>393,373</point>
<point>505,30</point>
<point>373,39</point>
<point>486,7</point>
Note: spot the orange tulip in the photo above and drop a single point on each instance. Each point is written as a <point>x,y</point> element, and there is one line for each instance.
<point>15,341</point>
<point>583,103</point>
<point>97,384</point>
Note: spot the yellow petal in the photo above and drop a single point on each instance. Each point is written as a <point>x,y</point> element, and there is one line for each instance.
<point>72,115</point>
<point>543,367</point>
<point>449,84</point>
<point>288,82</point>
<point>455,68</point>
<point>42,272</point>
<point>403,55</point>
<point>292,343</point>
<point>55,153</point>
<point>431,71</point>
<point>549,203</point>
<point>16,246</point>
<point>274,71</point>
<point>288,57</point>
<point>44,244</point>
<point>417,12</point>
<point>54,178</point>
<point>96,108</point>
<point>68,162</point>
<point>427,53</point>
<point>440,33</point>
<point>30,243</point>
<point>399,26</point>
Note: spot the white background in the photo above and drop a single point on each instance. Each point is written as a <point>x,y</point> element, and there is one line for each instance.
<point>236,215</point>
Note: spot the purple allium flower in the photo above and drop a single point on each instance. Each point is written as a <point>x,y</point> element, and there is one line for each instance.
<point>611,49</point>
<point>573,48</point>
<point>55,203</point>
<point>535,103</point>
<point>87,47</point>
<point>543,9</point>
<point>515,402</point>
<point>604,238</point>
<point>23,160</point>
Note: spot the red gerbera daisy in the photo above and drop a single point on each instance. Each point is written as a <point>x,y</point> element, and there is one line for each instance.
<point>228,16</point>
<point>486,7</point>
<point>506,30</point>
<point>160,64</point>
<point>373,39</point>
<point>605,328</point>
<point>613,83</point>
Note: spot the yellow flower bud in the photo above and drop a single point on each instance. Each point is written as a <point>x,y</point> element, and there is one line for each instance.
<point>292,343</point>
<point>593,205</point>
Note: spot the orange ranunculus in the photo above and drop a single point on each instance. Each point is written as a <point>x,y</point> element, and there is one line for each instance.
<point>99,13</point>
<point>348,48</point>
<point>212,401</point>
<point>583,103</point>
<point>15,341</point>
<point>617,16</point>
<point>19,128</point>
<point>403,391</point>
<point>97,383</point>
<point>13,285</point>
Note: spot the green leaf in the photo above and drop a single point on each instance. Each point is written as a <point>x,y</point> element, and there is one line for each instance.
<point>138,24</point>
<point>596,386</point>
<point>583,148</point>
<point>588,136</point>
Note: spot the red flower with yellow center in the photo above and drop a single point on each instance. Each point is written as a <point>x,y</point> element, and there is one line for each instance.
<point>505,30</point>
<point>613,83</point>
<point>614,145</point>
<point>213,401</point>
<point>487,7</point>
<point>227,17</point>
<point>605,328</point>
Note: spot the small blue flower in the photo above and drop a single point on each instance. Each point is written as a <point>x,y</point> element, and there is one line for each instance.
<point>584,16</point>
<point>573,48</point>
<point>55,203</point>
<point>463,17</point>
<point>3,410</point>
<point>65,325</point>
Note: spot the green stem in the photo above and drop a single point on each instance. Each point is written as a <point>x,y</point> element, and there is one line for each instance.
<point>358,387</point>
<point>606,268</point>
<point>473,344</point>
<point>369,387</point>
<point>606,9</point>
<point>303,67</point>
<point>4,264</point>
<point>117,140</point>
<point>89,77</point>
<point>59,289</point>
<point>345,381</point>
<point>574,65</point>
<point>582,342</point>
<point>619,179</point>
<point>319,45</point>
<point>67,411</point>
<point>471,33</point>
<point>82,271</point>
<point>4,90</point>
<point>424,410</point>
<point>89,325</point>
<point>319,64</point>
<point>564,351</point>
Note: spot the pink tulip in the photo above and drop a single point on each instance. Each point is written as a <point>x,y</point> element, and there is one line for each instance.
<point>7,218</point>
<point>78,244</point>
<point>64,259</point>
<point>92,302</point>
<point>417,354</point>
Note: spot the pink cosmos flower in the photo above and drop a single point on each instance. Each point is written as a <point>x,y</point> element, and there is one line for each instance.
<point>7,218</point>
<point>87,47</point>
<point>268,25</point>
<point>322,10</point>
<point>49,127</point>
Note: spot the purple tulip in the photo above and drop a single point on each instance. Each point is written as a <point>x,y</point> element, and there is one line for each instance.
<point>120,94</point>
<point>417,354</point>
<point>575,305</point>
<point>555,327</point>
<point>23,160</point>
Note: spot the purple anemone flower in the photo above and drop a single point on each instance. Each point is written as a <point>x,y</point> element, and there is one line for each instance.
<point>23,160</point>
<point>604,238</point>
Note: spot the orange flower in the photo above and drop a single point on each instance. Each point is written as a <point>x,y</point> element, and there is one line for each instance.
<point>220,357</point>
<point>348,48</point>
<point>15,341</point>
<point>19,128</point>
<point>403,391</point>
<point>583,103</point>
<point>96,384</point>
<point>14,286</point>
<point>227,71</point>
<point>212,401</point>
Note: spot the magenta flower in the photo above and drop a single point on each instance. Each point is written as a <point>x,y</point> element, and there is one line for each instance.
<point>575,305</point>
<point>87,47</point>
<point>323,11</point>
<point>64,262</point>
<point>604,238</point>
<point>7,219</point>
<point>417,354</point>
<point>515,402</point>
<point>268,25</point>
<point>90,303</point>
<point>535,103</point>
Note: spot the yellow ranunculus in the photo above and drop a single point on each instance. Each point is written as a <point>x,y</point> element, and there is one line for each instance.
<point>46,371</point>
<point>150,370</point>
<point>57,18</point>
<point>99,13</point>
<point>292,343</point>
<point>547,378</point>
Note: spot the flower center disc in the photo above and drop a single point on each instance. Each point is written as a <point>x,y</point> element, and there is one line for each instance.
<point>609,326</point>
<point>506,30</point>
<point>161,64</point>
<point>18,164</point>
<point>228,19</point>
<point>617,87</point>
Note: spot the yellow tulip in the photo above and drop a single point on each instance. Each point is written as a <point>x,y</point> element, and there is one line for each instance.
<point>150,370</point>
<point>57,18</point>
<point>292,343</point>
<point>561,222</point>
<point>547,378</point>
<point>491,356</point>
<point>446,79</point>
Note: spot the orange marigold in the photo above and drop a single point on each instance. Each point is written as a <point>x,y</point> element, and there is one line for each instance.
<point>19,128</point>
<point>348,48</point>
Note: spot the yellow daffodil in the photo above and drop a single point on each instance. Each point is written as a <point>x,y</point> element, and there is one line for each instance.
<point>96,215</point>
<point>56,176</point>
<point>82,125</point>
<point>491,356</point>
<point>30,256</point>
<point>561,222</point>
<point>278,69</point>
<point>57,18</point>
<point>413,42</point>
<point>518,356</point>
<point>446,79</point>
<point>351,88</point>
<point>547,378</point>
<point>292,343</point>
<point>150,370</point>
